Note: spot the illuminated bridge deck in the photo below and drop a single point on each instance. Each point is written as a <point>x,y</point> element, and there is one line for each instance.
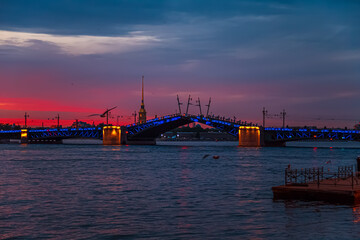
<point>153,128</point>
<point>297,134</point>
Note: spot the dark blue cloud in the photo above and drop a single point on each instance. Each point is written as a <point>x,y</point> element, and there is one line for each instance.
<point>113,17</point>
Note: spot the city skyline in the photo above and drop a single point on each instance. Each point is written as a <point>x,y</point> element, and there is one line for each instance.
<point>79,58</point>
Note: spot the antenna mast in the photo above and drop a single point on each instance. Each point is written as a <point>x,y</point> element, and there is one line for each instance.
<point>208,107</point>
<point>134,114</point>
<point>179,103</point>
<point>107,117</point>
<point>198,101</point>
<point>188,103</point>
<point>26,117</point>
<point>283,114</point>
<point>58,120</point>
<point>264,115</point>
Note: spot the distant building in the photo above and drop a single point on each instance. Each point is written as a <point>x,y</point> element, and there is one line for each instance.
<point>142,112</point>
<point>80,124</point>
<point>7,126</point>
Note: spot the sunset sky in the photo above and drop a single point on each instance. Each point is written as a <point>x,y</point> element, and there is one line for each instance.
<point>77,58</point>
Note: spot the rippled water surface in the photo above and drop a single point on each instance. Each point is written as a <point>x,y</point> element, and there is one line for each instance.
<point>166,191</point>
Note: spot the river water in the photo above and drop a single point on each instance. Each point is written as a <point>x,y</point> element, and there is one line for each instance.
<point>168,191</point>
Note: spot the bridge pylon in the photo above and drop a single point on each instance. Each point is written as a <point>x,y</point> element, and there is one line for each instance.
<point>114,135</point>
<point>251,136</point>
<point>24,136</point>
<point>111,135</point>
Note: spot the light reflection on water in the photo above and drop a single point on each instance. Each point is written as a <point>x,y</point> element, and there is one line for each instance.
<point>166,191</point>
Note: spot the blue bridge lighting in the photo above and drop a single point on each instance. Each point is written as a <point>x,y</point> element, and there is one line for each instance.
<point>157,126</point>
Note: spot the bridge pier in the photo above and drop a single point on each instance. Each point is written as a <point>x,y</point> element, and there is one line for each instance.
<point>250,136</point>
<point>24,136</point>
<point>112,135</point>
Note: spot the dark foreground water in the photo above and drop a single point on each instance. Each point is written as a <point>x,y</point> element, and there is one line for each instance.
<point>164,192</point>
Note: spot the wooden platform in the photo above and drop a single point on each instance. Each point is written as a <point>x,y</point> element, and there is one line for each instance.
<point>341,191</point>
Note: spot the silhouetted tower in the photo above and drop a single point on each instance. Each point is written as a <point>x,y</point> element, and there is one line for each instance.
<point>283,114</point>
<point>188,103</point>
<point>264,115</point>
<point>26,117</point>
<point>134,114</point>
<point>179,104</point>
<point>199,105</point>
<point>117,120</point>
<point>208,107</point>
<point>58,120</point>
<point>142,112</point>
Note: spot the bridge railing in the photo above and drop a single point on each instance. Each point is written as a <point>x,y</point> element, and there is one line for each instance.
<point>294,134</point>
<point>312,130</point>
<point>212,117</point>
<point>303,176</point>
<point>94,132</point>
<point>344,176</point>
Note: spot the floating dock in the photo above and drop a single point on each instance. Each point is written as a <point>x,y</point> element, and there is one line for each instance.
<point>313,184</point>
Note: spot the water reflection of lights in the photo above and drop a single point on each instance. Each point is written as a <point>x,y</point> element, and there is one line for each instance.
<point>356,213</point>
<point>184,192</point>
<point>185,175</point>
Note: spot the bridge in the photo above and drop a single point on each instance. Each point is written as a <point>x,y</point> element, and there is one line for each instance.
<point>249,135</point>
<point>279,136</point>
<point>152,129</point>
<point>50,135</point>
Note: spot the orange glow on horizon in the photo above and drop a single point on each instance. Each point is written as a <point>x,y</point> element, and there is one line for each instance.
<point>34,104</point>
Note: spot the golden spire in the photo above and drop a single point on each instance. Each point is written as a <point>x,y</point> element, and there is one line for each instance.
<point>142,112</point>
<point>142,91</point>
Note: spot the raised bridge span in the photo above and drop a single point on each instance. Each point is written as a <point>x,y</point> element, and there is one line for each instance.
<point>146,133</point>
